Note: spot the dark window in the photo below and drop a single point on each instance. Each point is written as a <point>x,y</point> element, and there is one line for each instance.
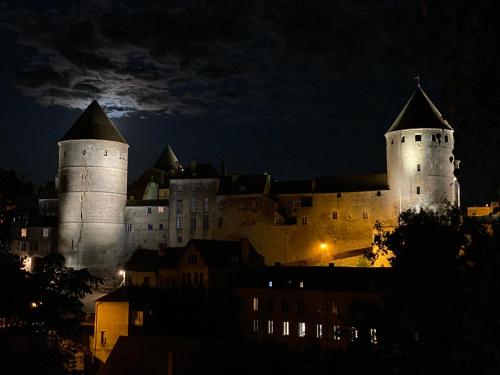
<point>339,195</point>
<point>104,336</point>
<point>392,141</point>
<point>301,306</point>
<point>334,215</point>
<point>149,210</point>
<point>402,139</point>
<point>418,189</point>
<point>160,226</point>
<point>418,167</point>
<point>150,226</point>
<point>285,305</point>
<point>446,138</point>
<point>269,305</point>
<point>433,138</point>
<point>379,193</point>
<point>192,259</point>
<point>147,281</point>
<point>205,223</point>
<point>418,137</point>
<point>220,222</point>
<point>84,152</point>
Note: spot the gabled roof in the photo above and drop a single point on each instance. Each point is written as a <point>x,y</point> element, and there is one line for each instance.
<point>143,260</point>
<point>419,112</point>
<point>241,184</point>
<point>168,160</point>
<point>94,124</point>
<point>291,187</point>
<point>339,184</point>
<point>226,253</point>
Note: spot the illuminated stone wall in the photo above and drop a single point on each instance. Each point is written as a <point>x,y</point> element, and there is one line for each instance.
<point>146,225</point>
<point>92,195</point>
<point>317,237</point>
<point>420,172</point>
<point>187,202</point>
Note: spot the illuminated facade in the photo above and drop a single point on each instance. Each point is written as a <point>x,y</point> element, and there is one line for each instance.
<point>92,191</point>
<point>329,219</point>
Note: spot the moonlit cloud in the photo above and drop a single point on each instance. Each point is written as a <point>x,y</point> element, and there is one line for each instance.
<point>190,56</point>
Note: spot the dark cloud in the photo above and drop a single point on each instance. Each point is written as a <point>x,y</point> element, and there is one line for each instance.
<point>189,56</point>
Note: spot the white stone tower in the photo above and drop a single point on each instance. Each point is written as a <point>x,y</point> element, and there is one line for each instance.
<point>92,179</point>
<point>420,160</point>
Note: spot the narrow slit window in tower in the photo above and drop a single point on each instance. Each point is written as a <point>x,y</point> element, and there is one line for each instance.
<point>418,189</point>
<point>446,138</point>
<point>418,167</point>
<point>403,139</point>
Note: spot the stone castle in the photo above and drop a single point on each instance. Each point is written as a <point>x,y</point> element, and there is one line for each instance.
<point>329,219</point>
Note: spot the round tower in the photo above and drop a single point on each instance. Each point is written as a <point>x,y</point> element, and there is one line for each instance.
<point>420,160</point>
<point>92,179</point>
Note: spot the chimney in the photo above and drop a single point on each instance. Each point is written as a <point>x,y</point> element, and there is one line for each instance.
<point>193,165</point>
<point>245,251</point>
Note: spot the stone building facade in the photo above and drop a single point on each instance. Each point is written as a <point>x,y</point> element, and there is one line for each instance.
<point>92,191</point>
<point>329,219</point>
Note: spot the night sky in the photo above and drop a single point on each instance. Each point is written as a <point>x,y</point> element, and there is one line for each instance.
<point>292,88</point>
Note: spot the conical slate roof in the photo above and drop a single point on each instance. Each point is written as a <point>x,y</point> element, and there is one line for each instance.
<point>419,112</point>
<point>94,124</point>
<point>167,160</point>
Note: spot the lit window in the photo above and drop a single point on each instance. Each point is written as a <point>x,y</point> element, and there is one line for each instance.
<point>335,309</point>
<point>178,223</point>
<point>301,284</point>
<point>193,223</point>
<point>286,328</point>
<point>150,227</point>
<point>365,214</point>
<point>270,327</point>
<point>418,167</point>
<point>354,334</point>
<point>161,209</point>
<point>336,333</point>
<point>373,336</point>
<point>104,337</point>
<point>418,189</point>
<point>138,317</point>
<point>255,304</point>
<point>403,139</point>
<point>45,232</point>
<point>304,220</point>
<point>418,137</point>
<point>319,330</point>
<point>24,232</point>
<point>301,329</point>
<point>255,326</point>
<point>160,226</point>
<point>335,215</point>
<point>270,284</point>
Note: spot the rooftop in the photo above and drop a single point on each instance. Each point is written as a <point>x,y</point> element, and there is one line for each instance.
<point>419,112</point>
<point>94,124</point>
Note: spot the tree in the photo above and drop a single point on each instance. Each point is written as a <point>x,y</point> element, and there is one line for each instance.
<point>40,312</point>
<point>445,304</point>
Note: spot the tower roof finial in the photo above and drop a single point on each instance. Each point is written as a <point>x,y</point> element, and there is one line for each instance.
<point>417,78</point>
